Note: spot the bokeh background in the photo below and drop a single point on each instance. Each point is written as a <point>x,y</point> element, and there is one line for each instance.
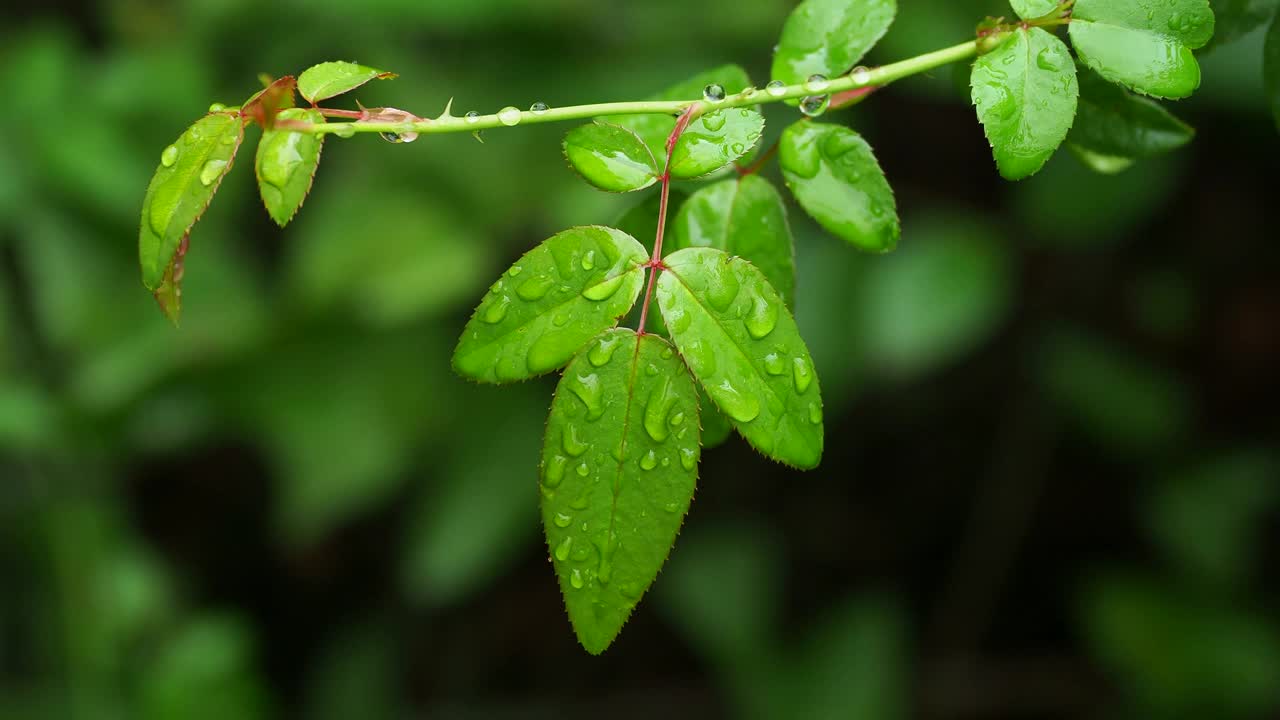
<point>1053,446</point>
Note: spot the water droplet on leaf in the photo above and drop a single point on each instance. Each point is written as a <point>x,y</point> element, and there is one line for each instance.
<point>169,156</point>
<point>211,171</point>
<point>815,105</point>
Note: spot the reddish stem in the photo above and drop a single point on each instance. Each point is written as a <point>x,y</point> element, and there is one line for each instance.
<point>335,112</point>
<point>655,262</point>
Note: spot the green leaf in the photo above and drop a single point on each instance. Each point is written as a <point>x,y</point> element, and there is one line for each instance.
<point>1271,69</point>
<point>1025,91</point>
<point>1233,19</point>
<point>829,37</point>
<point>1115,122</point>
<point>744,217</point>
<point>1143,45</point>
<point>714,140</point>
<point>619,464</point>
<point>1034,9</point>
<point>189,174</point>
<point>742,344</point>
<point>654,129</point>
<point>169,295</point>
<point>836,179</point>
<point>550,303</point>
<point>323,81</point>
<point>286,165</point>
<point>610,157</point>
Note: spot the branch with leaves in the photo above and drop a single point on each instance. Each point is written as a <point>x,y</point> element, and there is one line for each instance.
<point>716,347</point>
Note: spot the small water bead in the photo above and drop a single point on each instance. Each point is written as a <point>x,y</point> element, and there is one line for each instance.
<point>713,93</point>
<point>471,117</point>
<point>688,458</point>
<point>602,352</point>
<point>815,413</point>
<point>802,373</point>
<point>394,137</point>
<point>571,443</point>
<point>538,108</point>
<point>649,461</point>
<point>861,75</point>
<point>776,88</point>
<point>816,83</point>
<point>815,105</point>
<point>344,130</point>
<point>589,260</point>
<point>217,107</point>
<point>576,579</point>
<point>496,309</point>
<point>587,389</point>
<point>211,171</point>
<point>535,288</point>
<point>774,364</point>
<point>580,504</point>
<point>714,121</point>
<point>677,419</point>
<point>603,290</point>
<point>562,521</point>
<point>509,116</point>
<point>762,319</point>
<point>553,473</point>
<point>748,91</point>
<point>169,156</point>
<point>562,550</point>
<point>514,271</point>
<point>740,407</point>
<point>583,470</point>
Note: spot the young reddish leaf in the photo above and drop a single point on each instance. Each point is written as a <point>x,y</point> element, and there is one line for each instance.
<point>326,80</point>
<point>169,294</point>
<point>265,104</point>
<point>286,165</point>
<point>189,174</point>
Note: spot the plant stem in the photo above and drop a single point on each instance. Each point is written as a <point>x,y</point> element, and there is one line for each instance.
<point>877,77</point>
<point>655,262</point>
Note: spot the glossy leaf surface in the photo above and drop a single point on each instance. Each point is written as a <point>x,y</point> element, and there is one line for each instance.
<point>829,37</point>
<point>610,157</point>
<point>835,177</point>
<point>1115,122</point>
<point>1026,93</point>
<point>286,165</point>
<point>714,140</point>
<point>744,348</point>
<point>189,174</point>
<point>326,80</point>
<point>1033,9</point>
<point>654,129</point>
<point>619,463</point>
<point>1142,44</point>
<point>550,303</point>
<point>744,217</point>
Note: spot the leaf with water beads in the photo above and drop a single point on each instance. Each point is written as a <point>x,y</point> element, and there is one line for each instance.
<point>743,346</point>
<point>744,217</point>
<point>286,165</point>
<point>1114,122</point>
<point>619,464</point>
<point>834,176</point>
<point>183,185</point>
<point>654,129</point>
<point>326,80</point>
<point>1026,93</point>
<point>829,37</point>
<point>550,303</point>
<point>714,140</point>
<point>1143,45</point>
<point>610,157</point>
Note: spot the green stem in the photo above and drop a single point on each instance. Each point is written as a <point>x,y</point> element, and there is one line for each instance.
<point>877,77</point>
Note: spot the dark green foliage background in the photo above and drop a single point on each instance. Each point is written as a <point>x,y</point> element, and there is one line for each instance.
<point>1050,483</point>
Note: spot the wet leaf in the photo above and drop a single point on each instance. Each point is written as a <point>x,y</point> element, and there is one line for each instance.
<point>326,80</point>
<point>654,129</point>
<point>1114,122</point>
<point>742,345</point>
<point>189,174</point>
<point>550,303</point>
<point>169,294</point>
<point>714,140</point>
<point>610,157</point>
<point>1145,46</point>
<point>829,37</point>
<point>744,217</point>
<point>619,464</point>
<point>1033,9</point>
<point>286,165</point>
<point>836,179</point>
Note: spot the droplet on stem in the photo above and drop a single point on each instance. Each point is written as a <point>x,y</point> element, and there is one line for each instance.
<point>509,116</point>
<point>815,105</point>
<point>713,93</point>
<point>816,83</point>
<point>776,88</point>
<point>538,108</point>
<point>472,117</point>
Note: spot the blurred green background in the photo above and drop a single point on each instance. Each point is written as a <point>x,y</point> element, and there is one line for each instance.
<point>1050,489</point>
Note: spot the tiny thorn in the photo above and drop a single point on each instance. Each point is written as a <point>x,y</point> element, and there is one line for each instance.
<point>448,108</point>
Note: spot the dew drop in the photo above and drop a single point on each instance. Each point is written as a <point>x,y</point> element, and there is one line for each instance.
<point>589,260</point>
<point>496,309</point>
<point>509,116</point>
<point>538,108</point>
<point>702,359</point>
<point>714,121</point>
<point>656,410</point>
<point>535,288</point>
<point>762,319</point>
<point>169,156</point>
<point>815,105</point>
<point>713,93</point>
<point>217,107</point>
<point>688,458</point>
<point>553,473</point>
<point>774,364</point>
<point>802,373</point>
<point>211,171</point>
<point>722,286</point>
<point>344,130</point>
<point>471,117</point>
<point>816,83</point>
<point>562,550</point>
<point>602,352</point>
<point>580,504</point>
<point>776,88</point>
<point>743,408</point>
<point>649,461</point>
<point>677,419</point>
<point>514,271</point>
<point>562,521</point>
<point>815,413</point>
<point>576,579</point>
<point>603,290</point>
<point>587,389</point>
<point>861,75</point>
<point>392,137</point>
<point>583,470</point>
<point>571,443</point>
<point>748,91</point>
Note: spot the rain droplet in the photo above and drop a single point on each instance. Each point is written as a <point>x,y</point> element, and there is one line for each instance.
<point>803,374</point>
<point>471,117</point>
<point>514,271</point>
<point>677,419</point>
<point>688,458</point>
<point>587,388</point>
<point>722,285</point>
<point>217,107</point>
<point>603,290</point>
<point>776,88</point>
<point>535,288</point>
<point>583,470</point>
<point>649,461</point>
<point>589,260</point>
<point>714,121</point>
<point>1047,60</point>
<point>562,550</point>
<point>496,309</point>
<point>602,352</point>
<point>211,171</point>
<point>576,579</point>
<point>656,410</point>
<point>169,156</point>
<point>816,83</point>
<point>762,318</point>
<point>571,443</point>
<point>344,130</point>
<point>580,504</point>
<point>393,137</point>
<point>815,413</point>
<point>553,473</point>
<point>562,521</point>
<point>509,116</point>
<point>713,93</point>
<point>743,408</point>
<point>815,105</point>
<point>774,365</point>
<point>538,108</point>
<point>748,91</point>
<point>861,75</point>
